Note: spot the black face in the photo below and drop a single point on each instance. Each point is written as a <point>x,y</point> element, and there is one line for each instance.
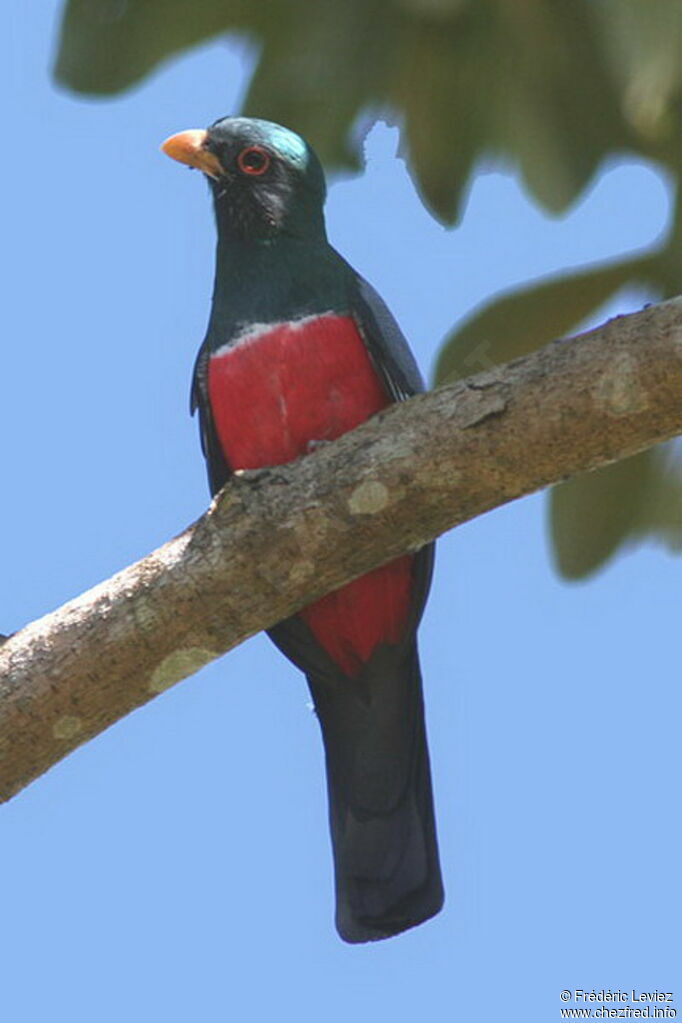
<point>271,181</point>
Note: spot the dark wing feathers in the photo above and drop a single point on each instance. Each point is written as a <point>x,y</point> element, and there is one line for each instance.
<point>385,342</point>
<point>394,362</point>
<point>218,469</point>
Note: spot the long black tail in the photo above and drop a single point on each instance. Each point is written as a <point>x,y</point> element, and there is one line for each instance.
<point>380,801</point>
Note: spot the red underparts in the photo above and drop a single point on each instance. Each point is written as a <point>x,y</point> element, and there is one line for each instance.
<point>275,391</point>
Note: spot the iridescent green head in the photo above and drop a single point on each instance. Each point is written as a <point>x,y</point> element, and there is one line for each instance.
<point>266,180</point>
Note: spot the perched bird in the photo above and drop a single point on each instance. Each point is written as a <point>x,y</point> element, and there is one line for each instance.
<point>300,349</point>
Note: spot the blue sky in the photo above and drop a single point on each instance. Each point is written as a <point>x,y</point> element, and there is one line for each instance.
<point>178,867</point>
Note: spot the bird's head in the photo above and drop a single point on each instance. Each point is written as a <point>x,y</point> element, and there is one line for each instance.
<point>266,180</point>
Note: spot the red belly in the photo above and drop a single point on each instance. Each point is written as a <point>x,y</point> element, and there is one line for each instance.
<point>271,394</point>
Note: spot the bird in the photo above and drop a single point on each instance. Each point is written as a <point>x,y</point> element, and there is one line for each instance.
<point>299,350</point>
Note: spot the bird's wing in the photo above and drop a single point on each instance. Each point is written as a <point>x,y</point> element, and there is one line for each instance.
<point>384,340</point>
<point>394,362</point>
<point>218,469</point>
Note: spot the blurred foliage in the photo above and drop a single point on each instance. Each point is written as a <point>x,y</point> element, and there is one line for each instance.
<point>549,87</point>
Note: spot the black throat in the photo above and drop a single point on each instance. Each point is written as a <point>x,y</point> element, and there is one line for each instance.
<point>274,280</point>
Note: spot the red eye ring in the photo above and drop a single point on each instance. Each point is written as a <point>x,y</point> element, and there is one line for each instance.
<point>253,160</point>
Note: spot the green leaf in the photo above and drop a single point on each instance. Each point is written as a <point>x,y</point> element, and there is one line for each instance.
<point>441,82</point>
<point>661,514</point>
<point>559,113</point>
<point>594,514</point>
<point>108,45</point>
<point>319,69</point>
<point>519,322</point>
<point>642,43</point>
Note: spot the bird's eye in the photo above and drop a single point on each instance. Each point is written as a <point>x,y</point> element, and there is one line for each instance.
<point>254,160</point>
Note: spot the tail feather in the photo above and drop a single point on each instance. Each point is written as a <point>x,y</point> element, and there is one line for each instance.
<point>380,800</point>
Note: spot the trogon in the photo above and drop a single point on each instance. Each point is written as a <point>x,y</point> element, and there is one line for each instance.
<point>300,349</point>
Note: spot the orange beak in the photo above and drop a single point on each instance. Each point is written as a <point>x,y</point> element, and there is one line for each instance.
<point>190,147</point>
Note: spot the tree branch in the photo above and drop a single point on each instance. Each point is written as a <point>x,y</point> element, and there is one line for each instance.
<point>276,539</point>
